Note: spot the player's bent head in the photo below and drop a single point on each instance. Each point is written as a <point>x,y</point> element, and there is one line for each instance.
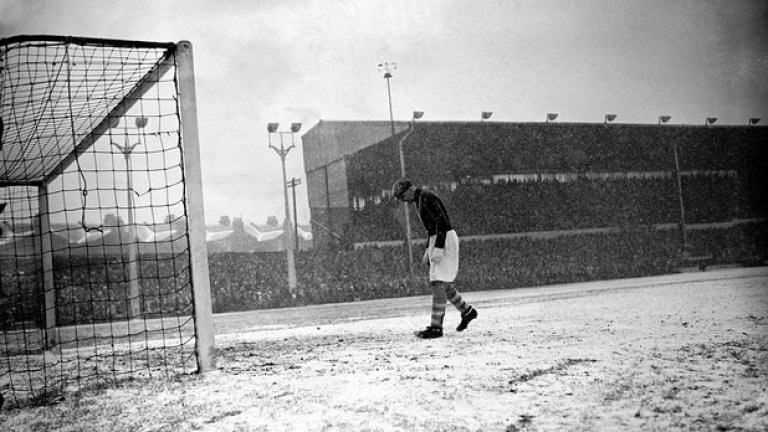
<point>400,187</point>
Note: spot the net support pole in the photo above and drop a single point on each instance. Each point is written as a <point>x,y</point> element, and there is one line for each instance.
<point>49,289</point>
<point>206,359</point>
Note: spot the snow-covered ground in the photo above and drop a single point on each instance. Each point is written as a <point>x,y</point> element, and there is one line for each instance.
<point>680,352</point>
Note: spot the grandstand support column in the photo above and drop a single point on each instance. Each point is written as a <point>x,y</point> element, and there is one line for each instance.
<point>683,236</point>
<point>206,360</point>
<point>49,289</point>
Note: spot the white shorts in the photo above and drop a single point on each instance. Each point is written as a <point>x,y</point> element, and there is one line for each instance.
<point>448,267</point>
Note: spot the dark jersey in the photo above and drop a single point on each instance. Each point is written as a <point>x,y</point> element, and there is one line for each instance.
<point>433,215</point>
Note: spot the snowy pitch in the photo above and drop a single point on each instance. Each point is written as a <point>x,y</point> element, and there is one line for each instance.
<point>679,352</point>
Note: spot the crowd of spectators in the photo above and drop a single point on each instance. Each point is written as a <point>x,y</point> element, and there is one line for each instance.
<point>96,289</point>
<point>92,290</point>
<point>18,302</point>
<point>246,281</point>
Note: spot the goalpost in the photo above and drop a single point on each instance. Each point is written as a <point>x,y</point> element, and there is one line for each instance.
<point>103,263</point>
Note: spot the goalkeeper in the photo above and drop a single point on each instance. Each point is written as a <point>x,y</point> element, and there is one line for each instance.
<point>442,256</point>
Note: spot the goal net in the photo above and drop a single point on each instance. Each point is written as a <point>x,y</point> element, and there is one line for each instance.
<point>103,269</point>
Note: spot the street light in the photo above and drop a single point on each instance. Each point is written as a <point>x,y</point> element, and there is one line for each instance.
<point>387,68</point>
<point>485,115</point>
<point>609,118</point>
<point>664,118</point>
<point>287,225</point>
<point>406,210</point>
<point>133,271</point>
<point>754,120</point>
<point>710,121</point>
<point>551,117</point>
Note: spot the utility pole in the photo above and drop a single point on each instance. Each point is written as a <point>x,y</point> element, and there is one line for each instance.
<point>292,184</point>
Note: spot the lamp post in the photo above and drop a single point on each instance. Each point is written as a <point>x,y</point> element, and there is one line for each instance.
<point>406,210</point>
<point>133,270</point>
<point>287,225</point>
<point>387,68</point>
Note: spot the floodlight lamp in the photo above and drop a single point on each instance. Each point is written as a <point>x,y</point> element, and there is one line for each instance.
<point>610,117</point>
<point>664,119</point>
<point>418,114</point>
<point>141,122</point>
<point>754,120</point>
<point>386,67</point>
<point>485,115</point>
<point>272,127</point>
<point>295,127</point>
<point>551,116</point>
<point>711,120</point>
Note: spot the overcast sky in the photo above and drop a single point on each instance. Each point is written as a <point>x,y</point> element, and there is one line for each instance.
<point>302,61</point>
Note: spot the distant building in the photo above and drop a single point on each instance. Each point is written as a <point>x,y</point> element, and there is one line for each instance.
<point>325,147</point>
<point>244,236</point>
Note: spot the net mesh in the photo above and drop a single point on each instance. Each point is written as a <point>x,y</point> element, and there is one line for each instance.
<point>95,278</point>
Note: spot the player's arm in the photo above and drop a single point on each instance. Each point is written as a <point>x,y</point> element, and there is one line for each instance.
<point>440,221</point>
<point>425,257</point>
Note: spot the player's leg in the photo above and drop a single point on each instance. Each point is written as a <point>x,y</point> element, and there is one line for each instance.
<point>453,296</point>
<point>435,328</point>
<point>438,304</point>
<point>468,313</point>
